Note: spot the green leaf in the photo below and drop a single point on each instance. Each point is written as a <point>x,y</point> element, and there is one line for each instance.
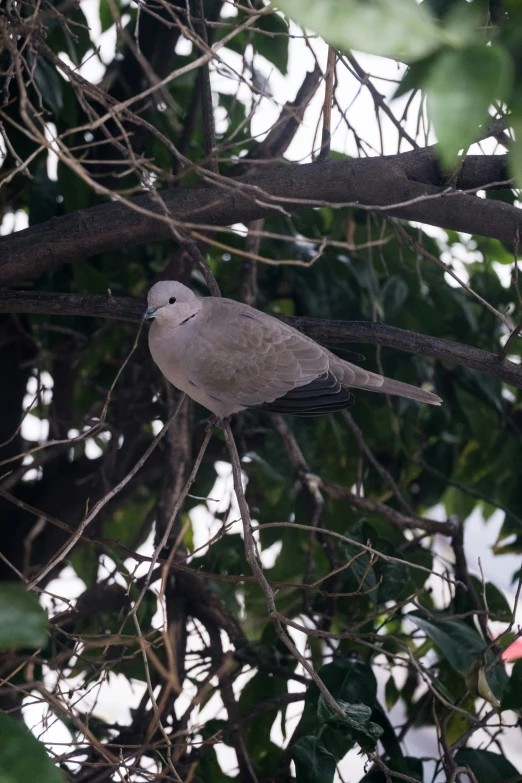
<point>350,680</point>
<point>88,279</point>
<point>498,606</point>
<point>356,714</point>
<point>406,30</point>
<point>385,580</point>
<point>478,684</point>
<point>337,742</point>
<point>313,763</point>
<point>74,39</point>
<point>275,49</point>
<point>257,690</point>
<point>440,6</point>
<point>43,204</point>
<point>356,724</point>
<point>512,699</point>
<point>486,766</point>
<point>84,560</point>
<point>22,757</point>
<point>268,470</point>
<point>395,580</point>
<point>391,693</point>
<point>49,84</point>
<point>388,738</point>
<point>460,644</point>
<point>393,295</point>
<point>126,525</point>
<point>209,768</point>
<point>23,622</point>
<point>461,86</point>
<point>415,77</point>
<point>106,17</point>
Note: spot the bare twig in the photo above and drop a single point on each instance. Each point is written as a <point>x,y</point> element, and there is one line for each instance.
<point>253,561</point>
<point>327,106</point>
<point>103,502</point>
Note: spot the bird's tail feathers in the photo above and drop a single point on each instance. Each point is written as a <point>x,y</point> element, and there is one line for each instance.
<point>390,386</point>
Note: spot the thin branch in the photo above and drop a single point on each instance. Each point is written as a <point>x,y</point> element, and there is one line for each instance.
<point>275,144</point>
<point>378,99</point>
<point>383,473</point>
<point>365,547</point>
<point>311,485</point>
<point>248,288</point>
<point>447,268</point>
<point>398,520</point>
<point>253,561</point>
<point>327,106</point>
<point>174,513</point>
<point>516,330</point>
<point>103,502</point>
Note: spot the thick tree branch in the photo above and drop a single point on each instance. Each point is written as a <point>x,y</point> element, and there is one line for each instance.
<point>399,185</point>
<point>322,330</point>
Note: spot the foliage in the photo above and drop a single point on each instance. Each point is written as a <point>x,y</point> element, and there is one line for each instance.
<point>463,62</point>
<point>23,622</point>
<point>393,618</point>
<point>22,756</point>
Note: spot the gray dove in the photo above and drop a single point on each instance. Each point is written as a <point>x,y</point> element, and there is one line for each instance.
<point>229,356</point>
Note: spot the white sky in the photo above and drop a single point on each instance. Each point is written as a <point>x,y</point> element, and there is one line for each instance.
<point>114,701</point>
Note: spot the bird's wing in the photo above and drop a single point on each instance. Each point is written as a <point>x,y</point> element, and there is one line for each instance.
<point>245,357</point>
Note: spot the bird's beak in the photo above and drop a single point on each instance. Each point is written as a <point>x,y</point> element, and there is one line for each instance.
<point>148,315</point>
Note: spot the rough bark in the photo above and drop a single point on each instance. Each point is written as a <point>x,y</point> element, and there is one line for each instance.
<point>382,184</point>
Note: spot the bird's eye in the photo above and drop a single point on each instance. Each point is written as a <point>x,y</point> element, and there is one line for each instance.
<point>172,300</point>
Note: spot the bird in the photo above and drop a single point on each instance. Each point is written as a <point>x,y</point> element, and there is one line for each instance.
<point>229,356</point>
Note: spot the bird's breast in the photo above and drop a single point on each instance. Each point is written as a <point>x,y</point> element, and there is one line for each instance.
<point>168,348</point>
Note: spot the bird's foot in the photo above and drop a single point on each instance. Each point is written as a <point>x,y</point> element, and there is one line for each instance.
<point>216,421</point>
<point>211,422</point>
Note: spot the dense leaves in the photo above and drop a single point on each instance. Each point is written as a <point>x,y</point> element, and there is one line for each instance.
<point>486,766</point>
<point>406,30</point>
<point>316,755</point>
<point>461,86</point>
<point>460,644</point>
<point>313,762</point>
<point>465,73</point>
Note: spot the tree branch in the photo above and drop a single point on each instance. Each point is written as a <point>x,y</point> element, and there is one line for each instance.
<point>253,560</point>
<point>207,109</point>
<point>398,520</point>
<point>281,134</point>
<point>398,185</point>
<point>322,330</point>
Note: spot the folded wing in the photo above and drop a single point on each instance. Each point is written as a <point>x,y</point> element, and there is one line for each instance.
<point>249,359</point>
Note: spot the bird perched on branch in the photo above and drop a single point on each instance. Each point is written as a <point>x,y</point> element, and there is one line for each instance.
<point>229,356</point>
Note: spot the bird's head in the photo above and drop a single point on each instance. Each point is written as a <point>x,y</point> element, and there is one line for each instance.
<point>170,303</point>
